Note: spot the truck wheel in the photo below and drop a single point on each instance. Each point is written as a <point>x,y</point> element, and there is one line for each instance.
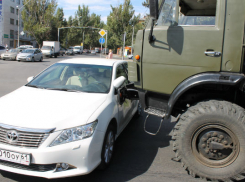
<point>55,55</point>
<point>209,141</point>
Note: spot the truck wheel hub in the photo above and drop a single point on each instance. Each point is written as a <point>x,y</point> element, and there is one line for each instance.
<point>215,146</point>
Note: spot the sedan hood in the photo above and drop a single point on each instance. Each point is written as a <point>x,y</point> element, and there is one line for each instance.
<point>29,107</point>
<point>24,54</point>
<point>10,53</point>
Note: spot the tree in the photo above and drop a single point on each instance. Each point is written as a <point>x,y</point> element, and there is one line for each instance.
<point>38,18</point>
<point>146,3</point>
<point>83,18</point>
<point>120,20</point>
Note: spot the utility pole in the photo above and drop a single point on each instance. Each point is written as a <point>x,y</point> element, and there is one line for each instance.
<point>124,37</point>
<point>106,40</point>
<point>58,34</point>
<point>19,21</point>
<point>83,38</point>
<point>132,41</point>
<point>18,27</point>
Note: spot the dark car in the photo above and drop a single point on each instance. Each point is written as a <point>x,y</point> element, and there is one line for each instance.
<point>62,51</point>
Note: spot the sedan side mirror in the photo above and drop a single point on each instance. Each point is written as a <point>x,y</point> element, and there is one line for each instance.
<point>30,78</point>
<point>119,81</point>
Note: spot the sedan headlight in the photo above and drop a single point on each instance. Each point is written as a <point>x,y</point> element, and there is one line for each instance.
<point>28,56</point>
<point>76,133</point>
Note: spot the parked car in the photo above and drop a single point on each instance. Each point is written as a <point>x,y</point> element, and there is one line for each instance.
<point>62,51</point>
<point>130,56</point>
<point>105,51</point>
<point>11,54</point>
<point>32,54</point>
<point>85,50</point>
<point>25,46</point>
<point>21,48</point>
<point>93,52</point>
<point>66,119</point>
<point>78,49</point>
<point>2,50</point>
<point>69,52</point>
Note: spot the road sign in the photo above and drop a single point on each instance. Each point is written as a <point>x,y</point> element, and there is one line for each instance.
<point>102,32</point>
<point>6,36</point>
<point>102,40</point>
<point>81,44</point>
<point>22,33</point>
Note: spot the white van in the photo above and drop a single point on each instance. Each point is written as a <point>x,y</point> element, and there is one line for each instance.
<point>78,49</point>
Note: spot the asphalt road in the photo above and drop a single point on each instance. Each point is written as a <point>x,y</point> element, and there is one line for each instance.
<point>139,157</point>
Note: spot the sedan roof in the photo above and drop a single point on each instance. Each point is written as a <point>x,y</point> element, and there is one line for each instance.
<point>93,61</point>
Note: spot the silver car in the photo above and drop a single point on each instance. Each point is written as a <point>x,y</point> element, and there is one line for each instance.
<point>2,50</point>
<point>10,55</point>
<point>32,54</point>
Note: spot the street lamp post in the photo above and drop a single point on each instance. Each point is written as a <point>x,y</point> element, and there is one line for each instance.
<point>132,41</point>
<point>19,21</point>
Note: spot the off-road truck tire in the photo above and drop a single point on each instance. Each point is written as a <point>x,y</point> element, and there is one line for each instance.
<point>209,141</point>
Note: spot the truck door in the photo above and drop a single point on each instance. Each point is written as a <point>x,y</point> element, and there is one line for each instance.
<point>188,39</point>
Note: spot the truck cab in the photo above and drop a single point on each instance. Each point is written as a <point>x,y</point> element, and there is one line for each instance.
<point>190,65</point>
<point>187,40</point>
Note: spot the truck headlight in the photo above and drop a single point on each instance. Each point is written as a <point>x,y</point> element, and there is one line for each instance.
<point>74,134</point>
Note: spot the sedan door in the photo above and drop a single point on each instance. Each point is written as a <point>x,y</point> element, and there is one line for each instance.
<point>36,55</point>
<point>125,108</point>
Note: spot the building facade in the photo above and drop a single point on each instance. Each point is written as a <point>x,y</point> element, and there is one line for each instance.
<point>9,11</point>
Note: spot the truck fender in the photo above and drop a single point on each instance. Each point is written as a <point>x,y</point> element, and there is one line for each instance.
<point>200,79</point>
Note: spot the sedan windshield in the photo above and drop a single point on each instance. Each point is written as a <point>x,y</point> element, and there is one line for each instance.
<point>28,51</point>
<point>75,77</point>
<point>13,50</point>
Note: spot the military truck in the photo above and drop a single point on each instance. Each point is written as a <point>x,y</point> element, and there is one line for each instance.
<point>189,63</point>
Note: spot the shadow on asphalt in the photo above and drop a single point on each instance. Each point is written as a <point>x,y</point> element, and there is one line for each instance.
<point>135,151</point>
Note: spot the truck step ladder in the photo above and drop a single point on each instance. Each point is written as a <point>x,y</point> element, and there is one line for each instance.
<point>154,112</point>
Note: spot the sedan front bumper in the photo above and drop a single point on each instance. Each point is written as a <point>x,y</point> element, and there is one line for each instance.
<point>24,59</point>
<point>83,157</point>
<point>9,57</point>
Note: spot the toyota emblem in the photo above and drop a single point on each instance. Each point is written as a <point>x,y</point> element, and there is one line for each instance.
<point>12,136</point>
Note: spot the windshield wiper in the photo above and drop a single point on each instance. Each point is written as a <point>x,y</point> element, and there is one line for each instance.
<point>34,86</point>
<point>63,89</point>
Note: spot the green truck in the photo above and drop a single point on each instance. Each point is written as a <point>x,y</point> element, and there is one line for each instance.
<point>190,65</point>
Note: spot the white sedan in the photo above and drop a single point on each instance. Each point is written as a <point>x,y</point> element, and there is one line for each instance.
<point>65,121</point>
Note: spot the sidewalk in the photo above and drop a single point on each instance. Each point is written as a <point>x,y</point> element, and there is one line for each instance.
<point>115,56</point>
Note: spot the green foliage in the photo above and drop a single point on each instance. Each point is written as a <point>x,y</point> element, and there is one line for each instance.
<point>82,18</point>
<point>120,20</point>
<point>42,19</point>
<point>38,18</point>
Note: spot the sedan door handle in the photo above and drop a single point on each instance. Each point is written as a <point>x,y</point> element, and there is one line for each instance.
<point>212,53</point>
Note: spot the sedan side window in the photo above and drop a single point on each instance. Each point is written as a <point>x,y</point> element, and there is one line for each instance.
<point>121,72</point>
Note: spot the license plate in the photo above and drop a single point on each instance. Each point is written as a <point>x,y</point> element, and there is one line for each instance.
<point>15,157</point>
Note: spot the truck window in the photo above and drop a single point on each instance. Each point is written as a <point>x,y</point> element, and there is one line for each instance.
<point>191,13</point>
<point>167,15</point>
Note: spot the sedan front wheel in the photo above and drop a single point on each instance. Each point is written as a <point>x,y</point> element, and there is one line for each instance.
<point>108,148</point>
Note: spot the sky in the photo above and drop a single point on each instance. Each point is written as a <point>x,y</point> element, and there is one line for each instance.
<point>99,7</point>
